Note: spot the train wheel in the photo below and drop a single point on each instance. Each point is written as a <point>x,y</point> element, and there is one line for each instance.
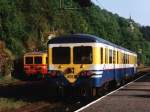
<point>88,92</point>
<point>118,83</point>
<point>106,86</point>
<point>83,92</point>
<point>99,91</point>
<point>60,91</point>
<point>93,92</point>
<point>112,85</point>
<point>123,81</point>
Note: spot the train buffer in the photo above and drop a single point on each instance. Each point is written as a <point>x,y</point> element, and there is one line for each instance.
<point>133,97</point>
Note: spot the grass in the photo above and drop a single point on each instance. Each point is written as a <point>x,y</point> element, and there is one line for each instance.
<point>6,80</point>
<point>9,105</point>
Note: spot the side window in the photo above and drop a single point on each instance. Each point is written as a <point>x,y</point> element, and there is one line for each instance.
<point>121,58</point>
<point>101,55</point>
<point>114,57</point>
<point>128,59</point>
<point>110,56</point>
<point>106,55</point>
<point>124,58</point>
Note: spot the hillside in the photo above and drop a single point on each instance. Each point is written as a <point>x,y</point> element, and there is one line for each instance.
<point>25,25</point>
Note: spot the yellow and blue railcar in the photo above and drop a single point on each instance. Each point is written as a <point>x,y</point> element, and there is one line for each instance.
<point>82,60</point>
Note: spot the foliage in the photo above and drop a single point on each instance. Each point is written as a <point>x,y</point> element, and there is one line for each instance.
<point>6,58</point>
<point>24,23</point>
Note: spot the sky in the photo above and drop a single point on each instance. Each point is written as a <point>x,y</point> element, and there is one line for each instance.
<point>138,9</point>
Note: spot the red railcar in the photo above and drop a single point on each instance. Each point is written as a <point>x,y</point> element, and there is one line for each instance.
<point>35,64</point>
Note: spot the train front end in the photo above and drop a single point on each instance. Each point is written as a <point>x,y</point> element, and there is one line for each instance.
<point>74,63</point>
<point>35,64</point>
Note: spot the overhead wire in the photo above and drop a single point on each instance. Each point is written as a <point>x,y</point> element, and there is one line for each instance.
<point>100,4</point>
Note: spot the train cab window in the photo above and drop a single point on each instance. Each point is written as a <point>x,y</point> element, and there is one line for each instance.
<point>110,56</point>
<point>28,60</point>
<point>82,55</point>
<point>61,55</point>
<point>38,60</point>
<point>101,55</point>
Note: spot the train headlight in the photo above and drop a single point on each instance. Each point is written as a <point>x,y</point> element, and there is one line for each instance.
<point>69,70</point>
<point>96,76</point>
<point>86,73</point>
<point>90,73</point>
<point>53,73</point>
<point>97,72</point>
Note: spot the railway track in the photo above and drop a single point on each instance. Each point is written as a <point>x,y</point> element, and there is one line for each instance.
<point>42,97</point>
<point>75,104</point>
<point>38,107</point>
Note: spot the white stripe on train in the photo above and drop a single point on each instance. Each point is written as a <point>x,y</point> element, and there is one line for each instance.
<point>99,66</point>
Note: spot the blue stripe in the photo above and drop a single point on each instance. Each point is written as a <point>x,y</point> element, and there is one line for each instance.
<point>108,75</point>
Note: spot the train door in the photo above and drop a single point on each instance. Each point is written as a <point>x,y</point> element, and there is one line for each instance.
<point>114,62</point>
<point>118,71</point>
<point>124,65</point>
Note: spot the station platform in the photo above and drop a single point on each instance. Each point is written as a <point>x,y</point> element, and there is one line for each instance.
<point>133,97</point>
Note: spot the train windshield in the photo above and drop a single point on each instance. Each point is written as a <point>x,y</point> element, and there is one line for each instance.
<point>29,60</point>
<point>82,55</point>
<point>38,60</point>
<point>61,55</point>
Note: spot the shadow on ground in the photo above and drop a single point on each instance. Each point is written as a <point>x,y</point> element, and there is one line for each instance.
<point>30,92</point>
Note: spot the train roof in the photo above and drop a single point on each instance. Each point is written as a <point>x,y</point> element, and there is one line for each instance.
<point>35,53</point>
<point>83,38</point>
